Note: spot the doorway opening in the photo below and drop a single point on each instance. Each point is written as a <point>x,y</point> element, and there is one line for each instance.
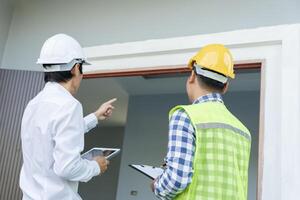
<point>139,125</point>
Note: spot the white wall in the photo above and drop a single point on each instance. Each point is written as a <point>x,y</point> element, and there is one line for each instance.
<point>6,13</point>
<point>95,22</point>
<point>146,132</point>
<point>104,186</point>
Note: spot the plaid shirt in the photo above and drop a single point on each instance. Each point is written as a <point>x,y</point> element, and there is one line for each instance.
<point>181,148</point>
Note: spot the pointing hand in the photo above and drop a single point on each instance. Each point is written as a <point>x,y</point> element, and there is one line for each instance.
<point>105,110</point>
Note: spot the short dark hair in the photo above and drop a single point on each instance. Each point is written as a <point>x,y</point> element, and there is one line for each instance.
<point>63,76</point>
<point>211,83</point>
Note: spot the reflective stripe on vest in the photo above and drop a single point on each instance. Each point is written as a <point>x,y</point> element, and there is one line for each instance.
<point>224,126</point>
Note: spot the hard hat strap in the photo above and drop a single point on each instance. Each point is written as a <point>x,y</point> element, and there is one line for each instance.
<point>209,74</point>
<point>62,67</point>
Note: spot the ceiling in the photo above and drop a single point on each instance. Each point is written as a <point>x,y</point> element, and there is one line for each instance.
<point>93,92</point>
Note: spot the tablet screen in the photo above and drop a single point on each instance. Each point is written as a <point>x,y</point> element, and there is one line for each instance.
<point>107,152</point>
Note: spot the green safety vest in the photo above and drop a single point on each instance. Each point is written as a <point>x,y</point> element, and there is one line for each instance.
<point>221,159</point>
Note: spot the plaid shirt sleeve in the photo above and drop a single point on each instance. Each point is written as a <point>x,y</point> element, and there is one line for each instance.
<point>179,160</point>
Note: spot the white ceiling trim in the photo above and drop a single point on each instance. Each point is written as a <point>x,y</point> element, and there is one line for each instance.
<point>173,51</point>
<point>279,49</point>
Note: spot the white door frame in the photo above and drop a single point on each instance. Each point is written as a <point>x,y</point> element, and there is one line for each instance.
<point>278,48</point>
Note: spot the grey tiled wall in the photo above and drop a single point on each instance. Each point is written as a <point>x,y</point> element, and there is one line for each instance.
<point>16,89</point>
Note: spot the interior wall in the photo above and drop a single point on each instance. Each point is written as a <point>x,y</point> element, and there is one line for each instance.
<point>145,141</point>
<point>6,13</point>
<point>97,22</point>
<point>103,186</point>
<point>146,132</point>
<point>93,92</point>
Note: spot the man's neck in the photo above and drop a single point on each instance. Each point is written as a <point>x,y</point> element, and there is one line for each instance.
<point>68,86</point>
<point>200,93</point>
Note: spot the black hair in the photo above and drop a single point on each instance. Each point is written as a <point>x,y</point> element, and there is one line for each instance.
<point>63,76</point>
<point>211,83</point>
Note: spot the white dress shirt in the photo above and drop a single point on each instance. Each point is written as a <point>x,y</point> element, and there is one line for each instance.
<point>52,134</point>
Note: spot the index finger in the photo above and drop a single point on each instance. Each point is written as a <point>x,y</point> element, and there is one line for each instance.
<point>111,101</point>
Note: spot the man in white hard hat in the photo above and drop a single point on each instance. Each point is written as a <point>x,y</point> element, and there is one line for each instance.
<point>53,127</point>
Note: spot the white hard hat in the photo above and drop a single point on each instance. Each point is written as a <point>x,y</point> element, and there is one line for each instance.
<point>59,52</point>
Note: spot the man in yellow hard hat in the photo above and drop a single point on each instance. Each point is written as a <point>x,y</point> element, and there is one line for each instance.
<point>209,148</point>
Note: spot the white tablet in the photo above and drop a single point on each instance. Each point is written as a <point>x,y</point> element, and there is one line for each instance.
<point>107,152</point>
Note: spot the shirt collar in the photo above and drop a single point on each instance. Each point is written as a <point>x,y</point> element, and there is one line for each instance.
<point>215,97</point>
<point>57,86</point>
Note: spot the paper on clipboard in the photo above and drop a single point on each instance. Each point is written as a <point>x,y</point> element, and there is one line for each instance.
<point>107,152</point>
<point>150,171</point>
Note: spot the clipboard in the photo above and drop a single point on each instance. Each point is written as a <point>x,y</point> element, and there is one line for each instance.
<point>149,171</point>
<point>97,151</point>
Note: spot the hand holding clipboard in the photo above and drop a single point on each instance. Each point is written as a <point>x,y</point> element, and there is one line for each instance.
<point>149,171</point>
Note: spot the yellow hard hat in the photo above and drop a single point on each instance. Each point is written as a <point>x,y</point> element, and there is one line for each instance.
<point>214,57</point>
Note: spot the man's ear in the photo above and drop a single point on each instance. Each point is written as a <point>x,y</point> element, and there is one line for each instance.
<point>225,88</point>
<point>75,69</point>
<point>192,78</point>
